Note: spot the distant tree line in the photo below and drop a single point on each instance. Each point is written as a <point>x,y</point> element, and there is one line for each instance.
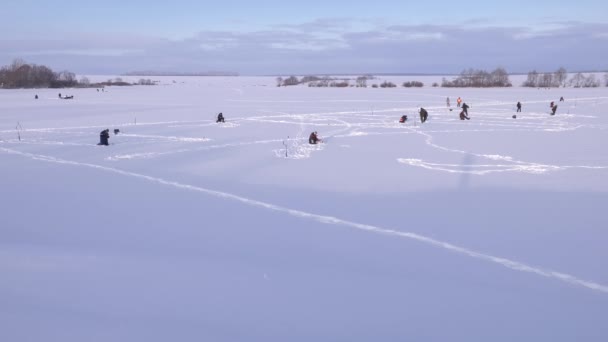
<point>580,81</point>
<point>326,81</point>
<point>560,79</point>
<point>20,74</point>
<point>479,79</point>
<point>547,79</point>
<point>416,84</point>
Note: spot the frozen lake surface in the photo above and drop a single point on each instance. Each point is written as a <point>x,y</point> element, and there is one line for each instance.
<point>183,229</point>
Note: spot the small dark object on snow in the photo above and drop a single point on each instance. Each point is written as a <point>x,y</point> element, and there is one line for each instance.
<point>561,99</point>
<point>403,119</point>
<point>514,116</point>
<point>103,137</point>
<point>116,131</point>
<point>220,118</point>
<point>36,97</point>
<point>59,95</point>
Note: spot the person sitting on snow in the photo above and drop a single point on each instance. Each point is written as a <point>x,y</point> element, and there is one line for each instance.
<point>313,139</point>
<point>220,117</point>
<point>403,119</point>
<point>103,137</point>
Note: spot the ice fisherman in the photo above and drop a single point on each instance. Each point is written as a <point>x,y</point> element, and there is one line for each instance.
<point>403,118</point>
<point>103,137</point>
<point>423,114</point>
<point>553,109</point>
<point>518,107</point>
<point>220,118</point>
<point>313,139</point>
<point>458,102</point>
<point>465,112</point>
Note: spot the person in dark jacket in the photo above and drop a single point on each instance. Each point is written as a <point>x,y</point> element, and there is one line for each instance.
<point>103,137</point>
<point>220,117</point>
<point>553,109</point>
<point>313,139</point>
<point>518,107</point>
<point>423,115</point>
<point>465,108</point>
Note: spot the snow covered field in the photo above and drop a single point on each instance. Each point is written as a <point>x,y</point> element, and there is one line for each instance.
<point>493,229</point>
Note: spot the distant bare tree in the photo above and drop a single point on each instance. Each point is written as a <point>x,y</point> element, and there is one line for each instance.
<point>532,80</point>
<point>577,80</point>
<point>499,76</point>
<point>292,80</point>
<point>591,82</point>
<point>16,64</point>
<point>606,79</point>
<point>279,81</point>
<point>362,81</point>
<point>84,81</point>
<point>560,77</point>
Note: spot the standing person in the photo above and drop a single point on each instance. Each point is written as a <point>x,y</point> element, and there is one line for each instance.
<point>447,101</point>
<point>551,104</point>
<point>458,101</point>
<point>561,99</point>
<point>518,106</point>
<point>220,117</point>
<point>423,115</point>
<point>465,108</point>
<point>553,109</point>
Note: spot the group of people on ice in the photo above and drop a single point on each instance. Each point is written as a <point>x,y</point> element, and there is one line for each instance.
<point>314,139</point>
<point>464,113</point>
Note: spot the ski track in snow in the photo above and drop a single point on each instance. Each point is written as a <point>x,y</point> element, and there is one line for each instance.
<point>511,264</point>
<point>480,169</point>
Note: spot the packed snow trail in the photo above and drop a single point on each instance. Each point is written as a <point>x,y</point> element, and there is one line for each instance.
<point>514,265</point>
<point>515,166</point>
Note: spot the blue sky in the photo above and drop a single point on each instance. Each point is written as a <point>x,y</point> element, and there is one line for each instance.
<point>276,37</point>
